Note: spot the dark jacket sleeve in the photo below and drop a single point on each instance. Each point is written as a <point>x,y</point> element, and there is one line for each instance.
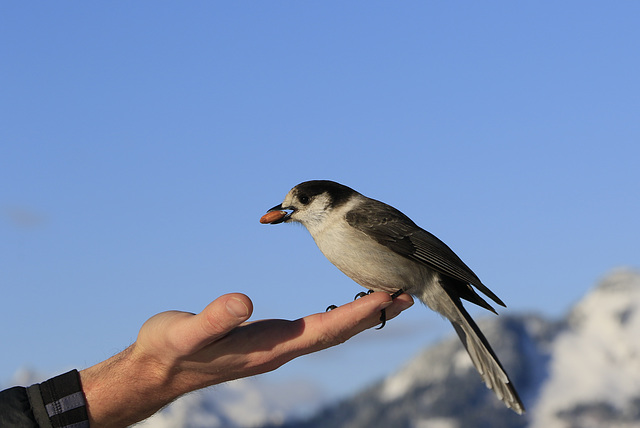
<point>55,403</point>
<point>15,408</point>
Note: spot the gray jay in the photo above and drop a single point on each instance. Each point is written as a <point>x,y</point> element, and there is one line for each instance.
<point>381,249</point>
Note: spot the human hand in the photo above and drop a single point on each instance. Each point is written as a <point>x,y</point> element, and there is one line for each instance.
<point>178,352</point>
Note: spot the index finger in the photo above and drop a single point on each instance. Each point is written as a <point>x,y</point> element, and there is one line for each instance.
<point>331,328</point>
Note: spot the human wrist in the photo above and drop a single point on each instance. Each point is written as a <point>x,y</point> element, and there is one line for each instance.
<point>116,399</point>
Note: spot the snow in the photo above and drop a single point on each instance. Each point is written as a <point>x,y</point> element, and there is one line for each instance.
<point>597,359</point>
<point>395,387</point>
<point>436,423</point>
<point>415,372</point>
<point>250,402</point>
<point>462,362</point>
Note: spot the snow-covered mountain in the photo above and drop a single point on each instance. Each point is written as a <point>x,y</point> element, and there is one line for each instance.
<point>594,376</point>
<point>440,388</point>
<point>580,372</point>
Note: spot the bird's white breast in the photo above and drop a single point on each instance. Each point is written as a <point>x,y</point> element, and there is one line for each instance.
<point>364,260</point>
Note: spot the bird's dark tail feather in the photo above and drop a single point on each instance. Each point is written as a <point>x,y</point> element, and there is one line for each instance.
<point>484,359</point>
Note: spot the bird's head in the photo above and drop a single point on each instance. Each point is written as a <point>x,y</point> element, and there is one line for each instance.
<point>310,203</point>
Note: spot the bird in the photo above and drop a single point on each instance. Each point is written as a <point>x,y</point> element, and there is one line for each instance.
<point>382,249</point>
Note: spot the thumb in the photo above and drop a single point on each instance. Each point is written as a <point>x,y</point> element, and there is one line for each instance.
<point>221,316</point>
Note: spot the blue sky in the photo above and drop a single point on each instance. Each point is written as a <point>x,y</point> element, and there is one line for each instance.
<point>141,142</point>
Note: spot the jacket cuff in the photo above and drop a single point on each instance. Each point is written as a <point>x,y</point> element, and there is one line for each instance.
<point>59,402</point>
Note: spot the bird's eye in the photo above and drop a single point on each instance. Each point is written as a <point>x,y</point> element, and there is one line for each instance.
<point>304,199</point>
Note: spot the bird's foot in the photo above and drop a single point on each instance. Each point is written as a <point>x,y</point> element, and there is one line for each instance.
<point>383,313</point>
<point>330,308</point>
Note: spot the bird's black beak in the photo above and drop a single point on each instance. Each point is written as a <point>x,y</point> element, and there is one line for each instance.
<point>278,219</point>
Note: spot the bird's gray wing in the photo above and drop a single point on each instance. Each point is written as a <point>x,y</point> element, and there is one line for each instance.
<point>391,228</point>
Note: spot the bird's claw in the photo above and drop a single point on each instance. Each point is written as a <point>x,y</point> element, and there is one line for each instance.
<point>362,294</point>
<point>383,313</point>
<point>383,319</point>
<point>330,308</point>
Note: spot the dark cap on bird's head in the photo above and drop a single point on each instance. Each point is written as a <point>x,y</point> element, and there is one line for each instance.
<point>339,193</point>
